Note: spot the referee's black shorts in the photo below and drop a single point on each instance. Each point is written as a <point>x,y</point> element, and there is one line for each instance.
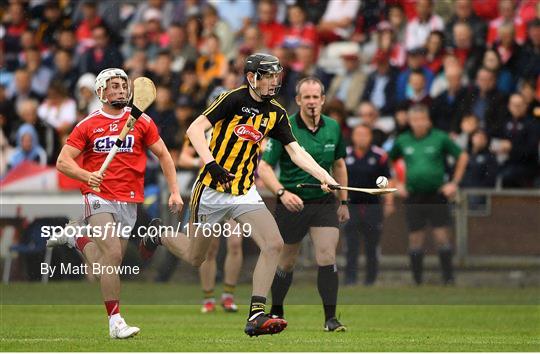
<point>293,226</point>
<point>424,209</point>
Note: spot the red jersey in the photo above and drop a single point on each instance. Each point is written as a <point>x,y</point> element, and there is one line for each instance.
<point>95,136</point>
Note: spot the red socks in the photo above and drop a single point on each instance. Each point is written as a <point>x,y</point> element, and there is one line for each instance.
<point>113,307</point>
<point>80,242</point>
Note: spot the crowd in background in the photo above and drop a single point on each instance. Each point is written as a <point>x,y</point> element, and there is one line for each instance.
<point>475,64</point>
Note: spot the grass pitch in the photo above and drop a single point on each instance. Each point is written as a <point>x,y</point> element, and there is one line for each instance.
<point>69,316</point>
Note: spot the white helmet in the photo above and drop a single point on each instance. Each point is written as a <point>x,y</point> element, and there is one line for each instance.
<point>101,84</point>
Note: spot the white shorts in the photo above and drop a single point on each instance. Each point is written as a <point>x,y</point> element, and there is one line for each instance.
<point>210,206</point>
<point>124,213</point>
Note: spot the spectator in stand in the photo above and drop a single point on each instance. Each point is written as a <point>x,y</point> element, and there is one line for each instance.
<point>181,51</point>
<point>463,12</point>
<point>381,85</point>
<point>64,70</point>
<point>162,112</point>
<point>527,89</point>
<point>365,162</point>
<point>422,25</point>
<point>506,82</point>
<point>272,31</point>
<point>336,110</point>
<point>66,40</point>
<point>90,19</point>
<point>103,55</point>
<point>435,51</point>
<point>398,21</point>
<point>337,22</point>
<point>191,87</point>
<point>520,138</point>
<point>387,43</point>
<point>487,10</point>
<point>482,167</point>
<point>298,30</point>
<point>46,134</point>
<point>87,101</point>
<point>58,109</point>
<point>53,20</point>
<point>444,108</point>
<point>212,64</point>
<point>348,86</point>
<point>314,9</point>
<point>369,115</point>
<point>416,91</point>
<point>464,49</point>
<point>485,102</point>
<point>212,24</point>
<point>41,75</point>
<point>15,25</point>
<point>306,63</point>
<point>154,32</point>
<point>509,51</point>
<point>416,60</point>
<point>252,41</point>
<point>440,83</point>
<point>28,148</point>
<point>21,87</point>
<point>163,75</point>
<point>531,50</point>
<point>165,7</point>
<point>8,115</point>
<point>194,31</point>
<point>507,12</point>
<point>469,124</point>
<point>137,65</point>
<point>138,41</point>
<point>184,114</point>
<point>237,14</point>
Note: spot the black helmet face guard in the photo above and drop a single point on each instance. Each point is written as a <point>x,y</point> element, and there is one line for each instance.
<point>270,69</point>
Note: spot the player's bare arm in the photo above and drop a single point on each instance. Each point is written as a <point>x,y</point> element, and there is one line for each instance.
<point>290,200</point>
<point>67,165</point>
<point>304,160</point>
<point>339,170</point>
<point>196,134</point>
<point>167,166</point>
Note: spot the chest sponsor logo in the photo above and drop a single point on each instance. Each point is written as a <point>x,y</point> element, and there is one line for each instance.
<point>329,147</point>
<point>430,150</point>
<point>409,150</point>
<point>247,132</point>
<point>105,143</point>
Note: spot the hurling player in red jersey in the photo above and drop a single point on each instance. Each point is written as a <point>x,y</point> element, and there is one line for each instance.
<point>121,187</point>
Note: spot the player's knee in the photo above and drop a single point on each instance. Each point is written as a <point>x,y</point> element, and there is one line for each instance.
<point>288,264</point>
<point>325,257</point>
<point>113,257</point>
<point>273,247</point>
<point>196,260</point>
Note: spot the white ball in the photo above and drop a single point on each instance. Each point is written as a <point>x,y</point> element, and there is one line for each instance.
<point>382,182</point>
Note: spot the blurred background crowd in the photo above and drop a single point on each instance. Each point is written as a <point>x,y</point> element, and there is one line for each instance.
<point>476,64</point>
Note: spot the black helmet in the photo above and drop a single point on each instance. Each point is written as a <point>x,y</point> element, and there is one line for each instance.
<point>260,64</point>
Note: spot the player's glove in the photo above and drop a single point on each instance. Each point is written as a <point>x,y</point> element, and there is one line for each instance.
<point>218,173</point>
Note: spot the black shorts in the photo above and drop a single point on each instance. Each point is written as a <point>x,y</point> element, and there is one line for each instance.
<point>424,209</point>
<point>316,213</point>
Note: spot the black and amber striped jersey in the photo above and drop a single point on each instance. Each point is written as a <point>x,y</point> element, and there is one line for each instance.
<point>240,124</point>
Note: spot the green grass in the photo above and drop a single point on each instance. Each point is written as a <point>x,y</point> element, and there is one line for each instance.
<point>36,317</point>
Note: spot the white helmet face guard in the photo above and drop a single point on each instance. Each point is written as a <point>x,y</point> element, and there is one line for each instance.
<point>101,84</point>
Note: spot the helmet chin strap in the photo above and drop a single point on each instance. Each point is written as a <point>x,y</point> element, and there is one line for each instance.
<point>119,104</point>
